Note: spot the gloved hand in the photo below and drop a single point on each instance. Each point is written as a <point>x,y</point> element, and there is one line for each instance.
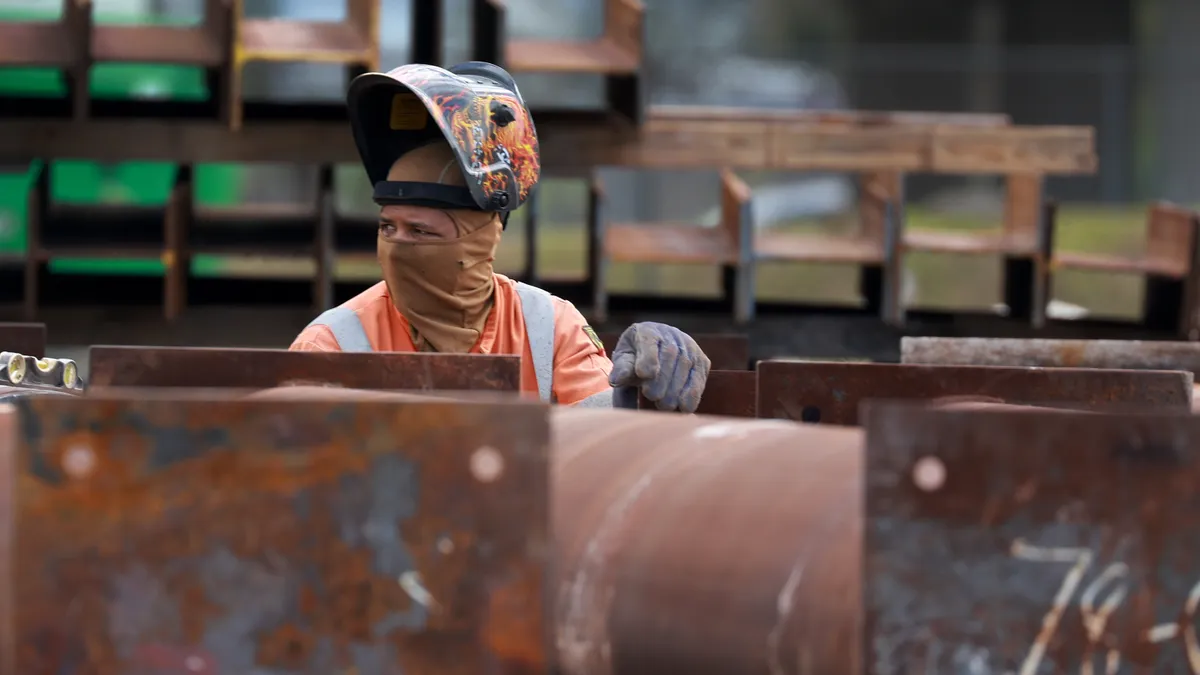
<point>664,362</point>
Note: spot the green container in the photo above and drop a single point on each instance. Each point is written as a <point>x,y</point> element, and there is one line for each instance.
<point>12,212</point>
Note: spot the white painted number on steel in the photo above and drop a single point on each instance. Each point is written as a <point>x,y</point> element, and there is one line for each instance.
<point>1095,612</point>
<point>1082,559</point>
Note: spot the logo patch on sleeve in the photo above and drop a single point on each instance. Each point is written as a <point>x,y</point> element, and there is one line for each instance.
<point>591,333</point>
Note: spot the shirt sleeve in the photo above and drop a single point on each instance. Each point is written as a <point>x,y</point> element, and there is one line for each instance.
<point>315,339</point>
<point>580,367</point>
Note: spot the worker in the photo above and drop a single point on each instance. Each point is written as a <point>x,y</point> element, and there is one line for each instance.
<point>451,153</point>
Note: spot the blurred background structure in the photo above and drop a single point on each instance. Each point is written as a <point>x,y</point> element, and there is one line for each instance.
<point>1125,67</point>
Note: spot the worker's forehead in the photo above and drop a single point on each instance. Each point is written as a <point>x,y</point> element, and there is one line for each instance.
<point>408,212</point>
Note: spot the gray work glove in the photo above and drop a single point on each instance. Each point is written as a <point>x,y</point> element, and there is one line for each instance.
<point>664,362</point>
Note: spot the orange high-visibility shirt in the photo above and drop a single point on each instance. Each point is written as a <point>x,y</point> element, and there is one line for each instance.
<point>580,367</point>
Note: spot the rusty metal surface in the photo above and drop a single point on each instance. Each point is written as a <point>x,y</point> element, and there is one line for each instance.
<point>113,366</point>
<point>1029,543</point>
<point>238,537</point>
<point>302,393</point>
<point>990,403</point>
<point>1116,354</point>
<point>704,545</point>
<point>23,338</point>
<point>306,393</point>
<point>8,448</point>
<point>830,392</point>
<point>726,351</point>
<point>730,393</point>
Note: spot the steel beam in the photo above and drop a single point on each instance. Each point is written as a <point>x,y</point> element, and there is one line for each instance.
<point>131,366</point>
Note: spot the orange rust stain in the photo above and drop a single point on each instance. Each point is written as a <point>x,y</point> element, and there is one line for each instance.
<point>137,496</point>
<point>194,609</point>
<point>514,624</point>
<point>1070,355</point>
<point>288,647</point>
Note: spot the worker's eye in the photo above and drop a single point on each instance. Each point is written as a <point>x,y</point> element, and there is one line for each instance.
<point>387,229</point>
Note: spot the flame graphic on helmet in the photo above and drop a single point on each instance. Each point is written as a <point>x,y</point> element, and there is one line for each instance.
<point>467,119</point>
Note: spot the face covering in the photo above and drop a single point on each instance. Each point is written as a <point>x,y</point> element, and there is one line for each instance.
<point>444,288</point>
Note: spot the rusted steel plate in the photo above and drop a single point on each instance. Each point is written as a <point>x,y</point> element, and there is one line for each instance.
<point>23,338</point>
<point>301,393</point>
<point>287,537</point>
<point>830,392</point>
<point>262,368</point>
<point>726,351</point>
<point>1029,543</point>
<point>1118,354</point>
<point>8,453</point>
<point>730,393</point>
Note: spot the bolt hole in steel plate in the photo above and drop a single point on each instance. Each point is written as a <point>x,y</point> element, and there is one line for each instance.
<point>198,535</point>
<point>1014,541</point>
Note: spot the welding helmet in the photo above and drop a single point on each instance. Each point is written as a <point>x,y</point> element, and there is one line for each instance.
<point>475,106</point>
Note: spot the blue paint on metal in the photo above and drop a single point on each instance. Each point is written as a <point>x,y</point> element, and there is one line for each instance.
<point>33,432</point>
<point>341,415</point>
<point>302,506</point>
<point>323,658</point>
<point>374,517</point>
<point>140,604</point>
<point>253,598</point>
<point>172,444</point>
<point>374,659</point>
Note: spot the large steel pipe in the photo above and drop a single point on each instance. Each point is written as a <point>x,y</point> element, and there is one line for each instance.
<point>691,544</point>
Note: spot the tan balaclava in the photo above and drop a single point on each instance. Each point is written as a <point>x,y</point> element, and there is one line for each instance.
<point>444,288</point>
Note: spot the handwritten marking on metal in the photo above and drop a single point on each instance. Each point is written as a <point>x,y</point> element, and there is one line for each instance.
<point>1025,543</point>
<point>1095,620</point>
<point>217,537</point>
